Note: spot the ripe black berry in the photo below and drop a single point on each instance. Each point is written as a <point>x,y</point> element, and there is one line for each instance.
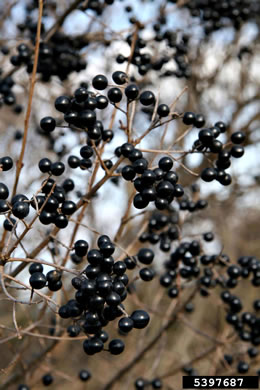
<point>140,318</point>
<point>84,375</point>
<point>147,98</point>
<point>37,280</point>
<point>116,346</point>
<point>4,192</point>
<point>189,118</point>
<point>100,82</point>
<point>48,124</point>
<point>20,209</point>
<point>119,77</point>
<point>47,379</point>
<point>114,95</point>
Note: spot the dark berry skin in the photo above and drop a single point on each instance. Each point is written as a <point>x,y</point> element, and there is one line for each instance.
<point>146,274</point>
<point>189,118</point>
<point>21,209</point>
<point>140,384</point>
<point>125,150</point>
<point>199,121</point>
<point>4,192</point>
<point>165,163</point>
<point>145,256</point>
<point>23,387</point>
<point>37,280</point>
<point>208,174</point>
<point>140,318</point>
<point>57,168</point>
<point>81,247</point>
<point>61,221</point>
<point>93,345</point>
<point>119,77</point>
<point>147,98</point>
<point>68,207</point>
<point>47,379</point>
<point>100,82</point>
<point>128,173</point>
<point>116,346</point>
<point>44,165</point>
<point>73,162</point>
<point>237,151</point>
<point>156,383</point>
<point>126,324</point>
<point>6,163</point>
<point>35,267</point>
<point>238,137</point>
<point>84,375</point>
<point>9,224</point>
<point>163,110</point>
<point>222,126</point>
<point>132,92</point>
<point>114,95</point>
<point>48,124</point>
<point>62,104</point>
<point>242,367</point>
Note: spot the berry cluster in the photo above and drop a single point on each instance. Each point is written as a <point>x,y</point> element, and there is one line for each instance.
<point>100,291</point>
<point>158,185</point>
<point>214,14</point>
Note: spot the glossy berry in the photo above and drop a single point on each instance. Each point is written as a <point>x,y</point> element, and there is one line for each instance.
<point>242,367</point>
<point>62,104</point>
<point>86,151</point>
<point>84,375</point>
<point>93,345</point>
<point>199,121</point>
<point>146,274</point>
<point>119,77</point>
<point>189,118</point>
<point>140,318</point>
<point>165,163</point>
<point>145,256</point>
<point>206,137</point>
<point>48,124</point>
<point>156,384</point>
<point>73,161</point>
<point>140,384</point>
<point>35,267</point>
<point>173,292</point>
<point>114,95</point>
<point>126,324</point>
<point>57,168</point>
<point>61,221</point>
<point>44,165</point>
<point>21,209</point>
<point>9,224</point>
<point>4,192</point>
<point>222,126</point>
<point>23,387</point>
<point>37,280</point>
<point>237,151</point>
<point>47,379</point>
<point>116,346</point>
<point>100,82</point>
<point>81,247</point>
<point>68,207</point>
<point>6,163</point>
<point>147,98</point>
<point>163,110</point>
<point>208,174</point>
<point>132,91</point>
<point>238,137</point>
<point>128,173</point>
